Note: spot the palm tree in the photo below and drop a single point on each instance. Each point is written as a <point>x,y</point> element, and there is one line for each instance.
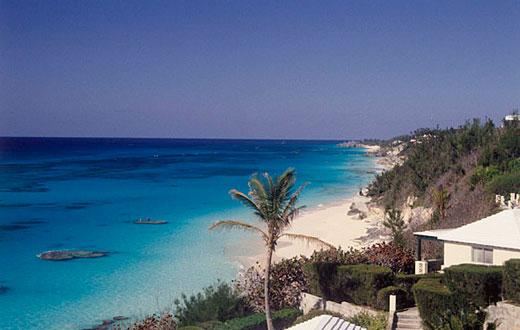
<point>273,201</point>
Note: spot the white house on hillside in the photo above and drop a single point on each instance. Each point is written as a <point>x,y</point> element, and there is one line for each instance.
<point>491,241</point>
<point>512,117</point>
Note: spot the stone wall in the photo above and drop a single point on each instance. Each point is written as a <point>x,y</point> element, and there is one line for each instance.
<point>310,302</point>
<point>507,315</point>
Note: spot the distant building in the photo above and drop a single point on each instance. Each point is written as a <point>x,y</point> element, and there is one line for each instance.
<point>490,241</point>
<point>512,117</point>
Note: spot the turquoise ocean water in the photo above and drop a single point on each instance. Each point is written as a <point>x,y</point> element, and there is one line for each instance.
<point>84,194</point>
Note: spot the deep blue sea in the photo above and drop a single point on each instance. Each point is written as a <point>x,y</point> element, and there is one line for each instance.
<point>61,193</point>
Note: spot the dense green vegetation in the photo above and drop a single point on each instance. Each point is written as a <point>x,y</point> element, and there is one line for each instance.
<point>360,283</point>
<point>406,283</point>
<point>435,302</point>
<point>456,172</point>
<point>281,319</point>
<point>481,285</point>
<point>457,300</point>
<point>368,321</point>
<point>217,302</point>
<point>511,282</point>
<point>382,301</point>
<point>438,151</point>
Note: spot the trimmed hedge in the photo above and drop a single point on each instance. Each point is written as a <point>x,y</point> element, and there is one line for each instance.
<point>321,279</point>
<point>434,301</point>
<point>384,294</point>
<point>360,283</point>
<point>406,282</point>
<point>511,282</point>
<point>479,285</point>
<point>281,319</point>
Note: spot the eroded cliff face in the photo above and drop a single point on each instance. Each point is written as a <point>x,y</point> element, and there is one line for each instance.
<point>465,202</point>
<point>413,214</point>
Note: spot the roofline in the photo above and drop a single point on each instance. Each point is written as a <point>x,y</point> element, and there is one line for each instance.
<point>476,244</point>
<point>427,237</point>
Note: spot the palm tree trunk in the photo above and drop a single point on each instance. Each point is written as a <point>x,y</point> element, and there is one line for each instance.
<point>268,317</point>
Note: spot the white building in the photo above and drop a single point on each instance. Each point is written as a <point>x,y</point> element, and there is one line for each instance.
<point>326,322</point>
<point>491,241</point>
<point>512,117</point>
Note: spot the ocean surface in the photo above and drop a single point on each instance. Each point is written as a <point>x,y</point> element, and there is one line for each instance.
<point>61,193</point>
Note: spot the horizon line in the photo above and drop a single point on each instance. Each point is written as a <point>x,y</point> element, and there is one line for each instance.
<point>183,138</point>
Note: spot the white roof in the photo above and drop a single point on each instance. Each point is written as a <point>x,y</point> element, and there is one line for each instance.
<point>499,230</point>
<point>326,322</point>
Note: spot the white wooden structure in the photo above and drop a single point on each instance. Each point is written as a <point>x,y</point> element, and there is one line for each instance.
<point>326,322</point>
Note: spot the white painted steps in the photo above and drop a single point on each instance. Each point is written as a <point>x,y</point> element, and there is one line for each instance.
<point>326,322</point>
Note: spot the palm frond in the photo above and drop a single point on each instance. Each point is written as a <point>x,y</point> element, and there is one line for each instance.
<point>246,200</point>
<point>232,224</point>
<point>284,185</point>
<point>292,213</point>
<point>308,239</point>
<point>292,202</point>
<point>258,187</point>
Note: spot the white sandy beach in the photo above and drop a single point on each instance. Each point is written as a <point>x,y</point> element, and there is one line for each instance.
<point>334,225</point>
<point>330,223</point>
<point>352,222</point>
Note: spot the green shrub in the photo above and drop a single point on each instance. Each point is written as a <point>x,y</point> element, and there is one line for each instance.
<point>368,321</point>
<point>512,280</point>
<point>190,327</point>
<point>281,319</point>
<point>384,294</point>
<point>360,283</point>
<point>505,183</point>
<point>209,325</point>
<point>479,285</point>
<point>321,279</point>
<point>406,282</point>
<point>484,174</point>
<point>434,301</point>
<point>218,302</point>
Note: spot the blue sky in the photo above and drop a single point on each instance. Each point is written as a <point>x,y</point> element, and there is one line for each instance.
<point>254,69</point>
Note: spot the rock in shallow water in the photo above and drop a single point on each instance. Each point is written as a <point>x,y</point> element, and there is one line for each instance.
<point>150,222</point>
<point>61,255</point>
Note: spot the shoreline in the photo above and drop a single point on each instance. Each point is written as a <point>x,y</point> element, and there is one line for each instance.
<point>353,221</point>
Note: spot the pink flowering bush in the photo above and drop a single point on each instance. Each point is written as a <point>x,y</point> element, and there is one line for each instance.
<point>287,282</point>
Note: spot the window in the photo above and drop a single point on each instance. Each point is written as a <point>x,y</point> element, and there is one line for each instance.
<point>482,255</point>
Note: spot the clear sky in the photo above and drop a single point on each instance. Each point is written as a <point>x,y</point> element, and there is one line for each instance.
<point>254,69</point>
